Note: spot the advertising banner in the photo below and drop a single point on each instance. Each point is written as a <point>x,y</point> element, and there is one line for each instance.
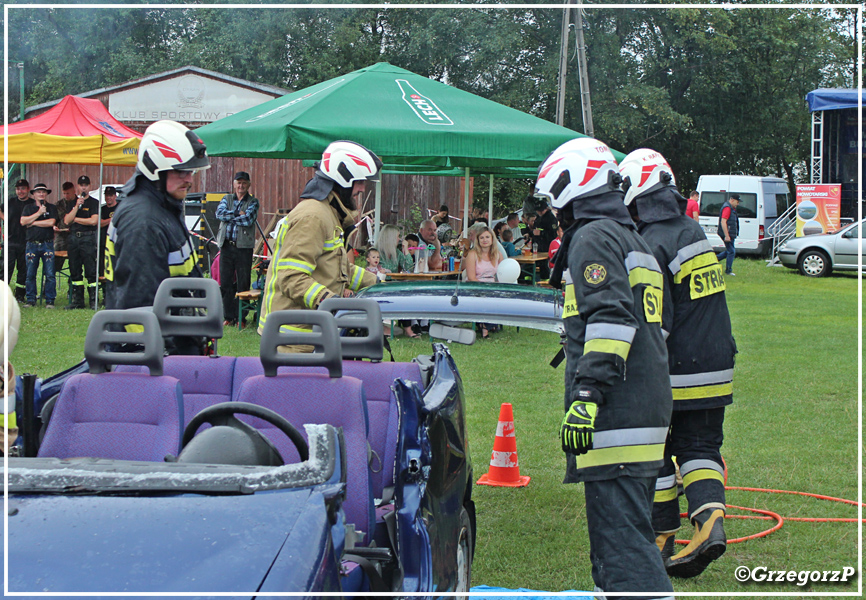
<point>818,208</point>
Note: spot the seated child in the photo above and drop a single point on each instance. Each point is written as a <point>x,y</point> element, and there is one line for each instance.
<point>508,243</point>
<point>373,265</point>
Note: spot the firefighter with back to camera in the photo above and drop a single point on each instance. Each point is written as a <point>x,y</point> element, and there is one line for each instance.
<point>701,353</point>
<point>617,390</point>
<point>310,259</point>
<point>148,240</point>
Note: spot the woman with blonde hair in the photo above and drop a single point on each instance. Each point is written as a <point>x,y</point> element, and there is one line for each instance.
<point>391,257</point>
<point>481,262</point>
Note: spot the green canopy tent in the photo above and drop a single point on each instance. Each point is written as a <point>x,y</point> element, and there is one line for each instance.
<point>413,123</point>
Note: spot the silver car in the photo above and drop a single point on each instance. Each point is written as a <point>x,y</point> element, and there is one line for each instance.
<point>818,255</point>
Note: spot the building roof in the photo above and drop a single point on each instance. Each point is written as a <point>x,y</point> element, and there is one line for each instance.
<point>252,85</point>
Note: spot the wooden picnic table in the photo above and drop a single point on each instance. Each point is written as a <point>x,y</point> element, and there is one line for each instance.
<point>531,260</point>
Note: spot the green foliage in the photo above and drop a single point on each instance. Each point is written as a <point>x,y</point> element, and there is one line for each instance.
<point>716,90</point>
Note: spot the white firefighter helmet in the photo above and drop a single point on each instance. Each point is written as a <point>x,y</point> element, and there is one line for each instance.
<point>578,168</point>
<point>344,162</point>
<point>169,146</point>
<point>644,171</point>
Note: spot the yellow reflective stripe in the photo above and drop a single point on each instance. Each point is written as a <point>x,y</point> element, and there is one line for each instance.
<point>78,282</point>
<point>183,269</point>
<point>704,391</point>
<point>333,244</point>
<point>109,256</point>
<point>271,280</point>
<point>703,260</point>
<point>617,347</point>
<point>12,420</point>
<point>134,328</point>
<point>357,279</point>
<point>619,455</point>
<point>701,474</point>
<point>312,293</point>
<point>288,328</point>
<point>642,275</point>
<point>296,265</point>
<point>665,495</point>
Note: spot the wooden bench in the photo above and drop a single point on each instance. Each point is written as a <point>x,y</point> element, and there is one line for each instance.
<point>251,299</point>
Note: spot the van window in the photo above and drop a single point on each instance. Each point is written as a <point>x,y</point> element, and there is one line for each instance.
<point>711,204</point>
<point>783,203</point>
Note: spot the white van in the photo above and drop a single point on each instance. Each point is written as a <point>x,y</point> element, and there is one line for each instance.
<point>762,200</point>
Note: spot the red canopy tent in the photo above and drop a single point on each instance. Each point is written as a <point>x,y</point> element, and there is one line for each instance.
<point>76,131</point>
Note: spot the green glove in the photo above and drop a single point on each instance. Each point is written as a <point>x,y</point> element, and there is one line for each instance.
<point>578,425</point>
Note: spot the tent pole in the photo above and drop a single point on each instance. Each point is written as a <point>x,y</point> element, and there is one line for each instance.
<point>377,213</point>
<point>490,201</point>
<point>466,203</point>
<point>98,233</point>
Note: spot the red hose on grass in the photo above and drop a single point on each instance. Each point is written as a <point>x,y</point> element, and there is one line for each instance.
<point>769,515</point>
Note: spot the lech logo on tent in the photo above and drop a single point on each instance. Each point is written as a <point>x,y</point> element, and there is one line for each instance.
<point>423,106</point>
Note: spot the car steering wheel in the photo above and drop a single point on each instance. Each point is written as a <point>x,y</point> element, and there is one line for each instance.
<point>224,412</point>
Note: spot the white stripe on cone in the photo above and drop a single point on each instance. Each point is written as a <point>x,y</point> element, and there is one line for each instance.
<point>503,459</point>
<point>505,429</point>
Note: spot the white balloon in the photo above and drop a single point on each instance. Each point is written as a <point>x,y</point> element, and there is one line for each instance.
<point>508,271</point>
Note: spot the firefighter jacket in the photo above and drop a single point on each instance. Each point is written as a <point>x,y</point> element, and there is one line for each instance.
<point>695,314</point>
<point>310,262</point>
<point>614,343</point>
<point>147,242</point>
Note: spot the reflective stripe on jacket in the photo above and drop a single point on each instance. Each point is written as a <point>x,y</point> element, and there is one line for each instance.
<point>615,343</point>
<point>310,262</point>
<point>701,347</point>
<point>147,242</point>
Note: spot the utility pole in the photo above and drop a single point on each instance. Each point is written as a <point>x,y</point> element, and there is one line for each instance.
<point>563,65</point>
<point>583,75</point>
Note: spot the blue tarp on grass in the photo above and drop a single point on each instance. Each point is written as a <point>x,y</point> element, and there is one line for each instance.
<point>536,594</point>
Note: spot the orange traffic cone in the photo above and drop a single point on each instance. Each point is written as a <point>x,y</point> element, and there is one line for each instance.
<point>504,471</point>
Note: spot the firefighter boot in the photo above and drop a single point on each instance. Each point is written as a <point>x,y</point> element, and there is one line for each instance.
<point>665,542</point>
<point>94,297</point>
<point>707,544</point>
<point>20,295</point>
<point>77,298</point>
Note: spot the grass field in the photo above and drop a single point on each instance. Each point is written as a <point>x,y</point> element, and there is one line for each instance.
<point>793,426</point>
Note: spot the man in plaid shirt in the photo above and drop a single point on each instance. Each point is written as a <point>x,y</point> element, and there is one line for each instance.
<point>237,214</point>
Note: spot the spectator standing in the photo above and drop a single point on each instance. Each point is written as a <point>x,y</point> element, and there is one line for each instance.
<point>38,220</point>
<point>17,242</point>
<point>543,233</point>
<point>237,214</point>
<point>82,220</point>
<point>693,209</point>
<point>61,229</point>
<point>441,217</point>
<point>310,262</point>
<point>616,377</point>
<point>392,257</point>
<point>729,227</point>
<point>701,351</point>
<point>147,239</point>
<point>105,215</point>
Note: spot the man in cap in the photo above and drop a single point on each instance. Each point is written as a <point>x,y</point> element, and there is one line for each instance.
<point>82,220</point>
<point>729,227</point>
<point>17,242</point>
<point>38,219</point>
<point>61,229</point>
<point>617,390</point>
<point>105,215</point>
<point>148,240</point>
<point>701,351</point>
<point>310,262</point>
<point>237,213</point>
